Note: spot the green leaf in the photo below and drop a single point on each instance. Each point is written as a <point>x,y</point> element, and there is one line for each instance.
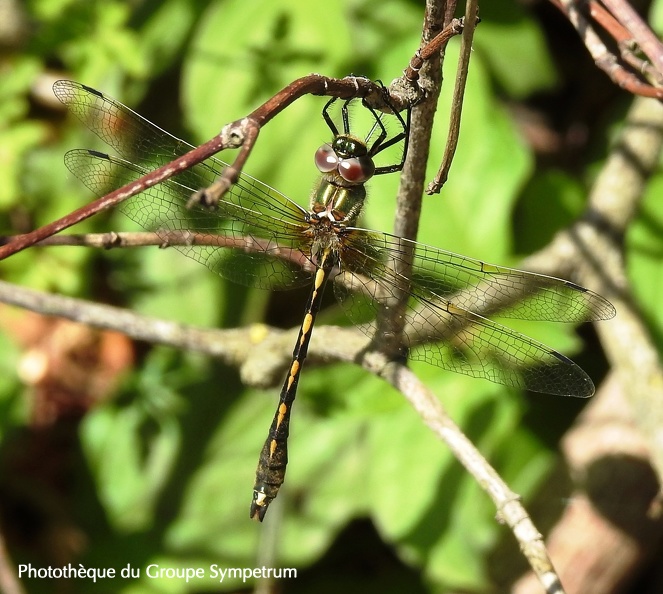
<point>132,449</point>
<point>551,200</point>
<point>106,48</point>
<point>177,17</point>
<point>515,48</point>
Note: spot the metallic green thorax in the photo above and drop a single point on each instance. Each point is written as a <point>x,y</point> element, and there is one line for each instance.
<point>335,199</point>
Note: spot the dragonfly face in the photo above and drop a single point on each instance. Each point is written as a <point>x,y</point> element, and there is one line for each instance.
<point>346,160</point>
<point>261,238</point>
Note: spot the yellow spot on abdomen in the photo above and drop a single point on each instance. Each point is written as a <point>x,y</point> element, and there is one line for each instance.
<point>283,409</point>
<point>306,324</point>
<point>319,277</point>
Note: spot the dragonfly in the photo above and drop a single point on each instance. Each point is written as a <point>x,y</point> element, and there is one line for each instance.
<point>259,237</point>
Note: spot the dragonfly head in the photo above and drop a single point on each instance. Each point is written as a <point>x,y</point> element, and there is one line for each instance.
<point>348,157</point>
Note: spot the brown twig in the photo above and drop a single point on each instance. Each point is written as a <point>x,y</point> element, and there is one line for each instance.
<point>471,20</point>
<point>623,23</point>
<point>391,318</point>
<point>642,34</point>
<point>431,49</point>
<point>9,583</point>
<point>172,238</point>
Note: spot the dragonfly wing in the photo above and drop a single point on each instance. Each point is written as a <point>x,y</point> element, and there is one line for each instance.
<point>143,143</point>
<point>127,132</point>
<point>444,331</point>
<point>261,250</point>
<point>492,290</point>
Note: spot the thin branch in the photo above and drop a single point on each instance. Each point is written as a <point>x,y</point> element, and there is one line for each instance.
<point>508,505</point>
<point>625,41</point>
<point>431,49</point>
<point>173,238</point>
<point>471,21</point>
<point>223,344</point>
<point>9,583</point>
<point>391,318</point>
<point>624,19</point>
<point>641,32</point>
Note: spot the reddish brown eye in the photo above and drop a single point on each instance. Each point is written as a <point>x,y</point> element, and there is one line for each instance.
<point>326,159</point>
<point>356,170</point>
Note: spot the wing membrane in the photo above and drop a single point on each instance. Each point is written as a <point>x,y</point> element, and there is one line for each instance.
<point>442,325</point>
<point>258,250</point>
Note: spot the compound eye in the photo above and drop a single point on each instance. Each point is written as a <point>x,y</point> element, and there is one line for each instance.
<point>326,159</point>
<point>356,170</point>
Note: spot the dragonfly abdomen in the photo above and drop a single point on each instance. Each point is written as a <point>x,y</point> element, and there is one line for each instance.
<point>270,473</point>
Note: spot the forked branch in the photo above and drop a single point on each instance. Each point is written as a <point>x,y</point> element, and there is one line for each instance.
<point>630,35</point>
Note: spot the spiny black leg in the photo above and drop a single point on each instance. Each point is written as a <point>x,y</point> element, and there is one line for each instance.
<point>376,146</point>
<point>402,136</point>
<point>327,117</point>
<point>345,116</point>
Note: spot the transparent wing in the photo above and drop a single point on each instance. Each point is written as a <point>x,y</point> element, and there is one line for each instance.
<point>261,227</point>
<point>259,250</point>
<point>478,286</point>
<point>442,325</point>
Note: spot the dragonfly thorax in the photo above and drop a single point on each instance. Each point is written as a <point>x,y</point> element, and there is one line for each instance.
<point>335,203</point>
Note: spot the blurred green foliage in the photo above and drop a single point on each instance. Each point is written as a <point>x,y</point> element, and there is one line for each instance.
<point>162,472</point>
